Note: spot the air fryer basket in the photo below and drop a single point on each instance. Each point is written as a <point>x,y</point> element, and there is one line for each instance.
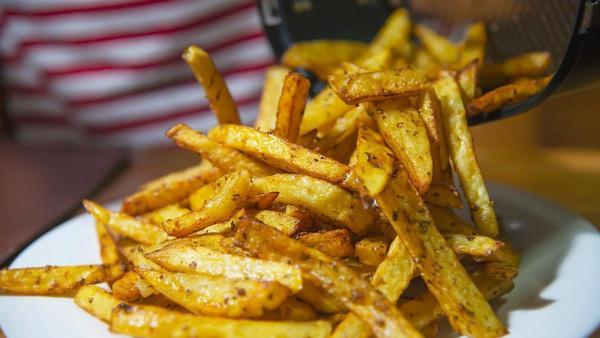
<point>568,29</point>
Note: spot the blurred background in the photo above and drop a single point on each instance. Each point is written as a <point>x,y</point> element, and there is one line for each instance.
<point>89,87</point>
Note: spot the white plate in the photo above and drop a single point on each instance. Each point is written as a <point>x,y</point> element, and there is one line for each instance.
<point>556,293</point>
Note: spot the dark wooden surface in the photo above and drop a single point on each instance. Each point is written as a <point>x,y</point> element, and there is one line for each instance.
<point>42,184</point>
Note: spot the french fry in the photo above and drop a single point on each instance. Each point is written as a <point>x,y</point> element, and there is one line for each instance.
<point>221,156</point>
<point>502,264</point>
<point>125,225</point>
<point>466,309</point>
<point>473,46</point>
<point>214,86</point>
<point>371,250</point>
<point>210,295</point>
<point>320,299</point>
<point>463,156</point>
<point>361,298</point>
<point>444,51</point>
<point>424,309</point>
<point>441,191</point>
<point>426,63</point>
<point>342,207</point>
<point>280,153</point>
<point>443,195</point>
<point>325,107</point>
<point>374,160</point>
<point>505,95</point>
<point>50,280</point>
<point>532,64</point>
<point>131,287</point>
<point>371,86</point>
<point>267,110</point>
<point>393,35</point>
<point>231,197</point>
<point>157,217</point>
<point>331,135</point>
<point>291,106</point>
<point>322,57</point>
<point>108,249</point>
<point>280,221</point>
<point>155,322</point>
<point>335,243</point>
<point>447,221</point>
<point>472,245</point>
<point>169,189</point>
<point>262,201</point>
<point>467,79</point>
<point>180,257</point>
<point>292,309</point>
<point>97,302</point>
<point>405,133</point>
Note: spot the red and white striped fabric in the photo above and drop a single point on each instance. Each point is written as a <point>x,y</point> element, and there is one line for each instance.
<point>110,72</point>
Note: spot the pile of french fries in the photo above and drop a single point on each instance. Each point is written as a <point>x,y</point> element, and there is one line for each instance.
<point>321,219</point>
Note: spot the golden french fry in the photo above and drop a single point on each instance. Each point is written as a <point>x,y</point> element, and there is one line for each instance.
<point>506,95</point>
<point>291,106</point>
<point>108,248</point>
<point>292,309</point>
<point>280,153</point>
<point>326,107</point>
<point>374,161</point>
<point>180,257</point>
<point>443,195</point>
<point>426,63</point>
<point>444,51</point>
<point>267,110</point>
<point>169,189</point>
<point>463,156</point>
<point>262,201</point>
<point>97,302</point>
<point>125,225</point>
<point>405,133</point>
<point>221,156</point>
<point>447,221</point>
<point>472,245</point>
<point>329,136</point>
<point>467,310</point>
<point>50,280</point>
<point>131,287</point>
<point>322,109</point>
<point>234,188</point>
<point>532,64</point>
<point>342,207</point>
<point>321,57</point>
<point>279,220</point>
<point>393,35</point>
<point>157,217</point>
<point>371,250</point>
<point>155,322</point>
<point>424,309</point>
<point>441,191</point>
<point>335,243</point>
<point>467,79</point>
<point>320,299</point>
<point>502,264</point>
<point>371,86</point>
<point>210,295</point>
<point>214,86</point>
<point>473,46</point>
<point>341,281</point>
